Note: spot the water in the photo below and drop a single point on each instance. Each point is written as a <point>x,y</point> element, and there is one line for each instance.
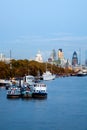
<point>64,109</point>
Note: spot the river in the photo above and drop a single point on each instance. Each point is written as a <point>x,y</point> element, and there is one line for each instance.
<point>64,109</point>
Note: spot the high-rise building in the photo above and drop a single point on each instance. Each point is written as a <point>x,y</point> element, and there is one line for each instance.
<point>60,54</point>
<point>4,58</point>
<point>74,59</point>
<point>53,55</point>
<point>61,60</point>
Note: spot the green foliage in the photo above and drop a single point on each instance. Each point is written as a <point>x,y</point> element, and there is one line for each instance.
<point>18,68</point>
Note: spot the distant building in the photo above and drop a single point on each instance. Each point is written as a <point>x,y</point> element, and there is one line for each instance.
<point>86,58</point>
<point>74,59</point>
<point>60,54</point>
<point>3,58</point>
<point>38,57</point>
<point>62,61</point>
<point>52,57</point>
<point>86,62</point>
<point>50,60</point>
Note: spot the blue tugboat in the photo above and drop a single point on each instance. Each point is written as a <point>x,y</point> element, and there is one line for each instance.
<point>26,92</point>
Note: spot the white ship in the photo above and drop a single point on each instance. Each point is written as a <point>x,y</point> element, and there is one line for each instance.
<point>29,79</point>
<point>48,76</point>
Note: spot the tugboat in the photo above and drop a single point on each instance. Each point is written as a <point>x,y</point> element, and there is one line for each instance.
<point>26,91</point>
<point>13,91</point>
<point>39,90</point>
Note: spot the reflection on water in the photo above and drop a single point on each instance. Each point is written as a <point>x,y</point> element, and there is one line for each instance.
<point>65,107</point>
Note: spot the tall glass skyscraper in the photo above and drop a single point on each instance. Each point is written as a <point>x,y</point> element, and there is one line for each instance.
<point>74,59</point>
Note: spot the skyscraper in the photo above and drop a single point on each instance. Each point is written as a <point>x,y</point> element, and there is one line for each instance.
<point>53,55</point>
<point>74,59</point>
<point>61,59</point>
<point>60,54</point>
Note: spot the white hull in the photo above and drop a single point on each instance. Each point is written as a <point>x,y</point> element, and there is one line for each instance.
<point>48,76</point>
<point>28,79</point>
<point>39,91</point>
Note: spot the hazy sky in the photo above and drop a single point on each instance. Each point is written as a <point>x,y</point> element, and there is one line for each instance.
<point>27,26</point>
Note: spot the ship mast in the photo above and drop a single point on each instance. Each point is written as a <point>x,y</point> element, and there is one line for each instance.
<point>10,66</point>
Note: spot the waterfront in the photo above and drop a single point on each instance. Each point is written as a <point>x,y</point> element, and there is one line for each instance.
<point>64,109</point>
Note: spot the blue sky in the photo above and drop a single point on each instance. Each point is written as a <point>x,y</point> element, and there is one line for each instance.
<point>27,26</point>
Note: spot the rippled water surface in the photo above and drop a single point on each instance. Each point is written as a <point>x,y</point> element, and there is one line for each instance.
<point>64,109</point>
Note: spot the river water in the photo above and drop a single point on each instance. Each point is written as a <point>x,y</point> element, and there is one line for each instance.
<point>64,109</point>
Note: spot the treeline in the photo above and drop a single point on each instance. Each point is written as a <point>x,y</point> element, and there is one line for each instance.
<point>18,68</point>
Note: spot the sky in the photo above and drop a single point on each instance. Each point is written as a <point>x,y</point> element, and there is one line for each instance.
<point>29,26</point>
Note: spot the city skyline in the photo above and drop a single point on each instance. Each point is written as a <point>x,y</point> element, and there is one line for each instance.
<point>29,26</point>
<point>50,56</point>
